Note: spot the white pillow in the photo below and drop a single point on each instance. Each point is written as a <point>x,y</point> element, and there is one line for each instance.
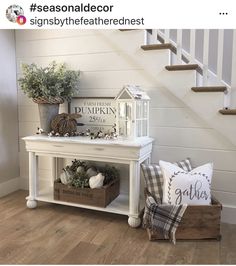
<point>181,187</point>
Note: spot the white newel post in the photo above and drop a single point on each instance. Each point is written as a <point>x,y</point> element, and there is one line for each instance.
<point>33,180</point>
<point>134,194</point>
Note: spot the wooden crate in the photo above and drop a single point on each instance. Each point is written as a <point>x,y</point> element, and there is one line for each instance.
<point>99,197</point>
<point>198,222</point>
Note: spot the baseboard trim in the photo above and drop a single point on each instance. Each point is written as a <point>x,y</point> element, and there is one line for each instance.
<point>24,183</point>
<point>9,186</point>
<point>228,214</point>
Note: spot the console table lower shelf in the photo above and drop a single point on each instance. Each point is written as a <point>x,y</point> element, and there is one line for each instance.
<point>119,206</point>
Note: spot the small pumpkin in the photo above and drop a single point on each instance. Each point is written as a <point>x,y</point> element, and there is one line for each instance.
<point>91,172</point>
<point>96,181</point>
<point>80,170</point>
<point>65,177</point>
<point>65,123</point>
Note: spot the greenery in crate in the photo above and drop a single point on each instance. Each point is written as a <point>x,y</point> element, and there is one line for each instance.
<point>110,172</point>
<point>80,179</point>
<point>75,165</point>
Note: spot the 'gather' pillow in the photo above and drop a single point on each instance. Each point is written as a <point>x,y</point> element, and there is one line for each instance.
<point>182,187</point>
<point>154,179</point>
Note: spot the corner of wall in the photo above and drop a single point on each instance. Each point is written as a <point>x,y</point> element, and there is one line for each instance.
<point>9,186</point>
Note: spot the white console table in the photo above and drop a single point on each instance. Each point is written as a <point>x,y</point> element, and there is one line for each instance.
<point>127,152</point>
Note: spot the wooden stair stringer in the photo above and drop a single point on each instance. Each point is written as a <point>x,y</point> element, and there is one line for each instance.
<point>178,83</point>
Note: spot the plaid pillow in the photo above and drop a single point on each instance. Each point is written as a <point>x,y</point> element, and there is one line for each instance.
<point>154,178</point>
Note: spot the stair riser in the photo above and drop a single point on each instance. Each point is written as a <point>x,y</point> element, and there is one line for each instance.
<point>149,60</point>
<point>178,82</point>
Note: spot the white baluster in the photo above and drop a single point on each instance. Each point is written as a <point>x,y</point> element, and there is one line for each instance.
<point>167,35</point>
<point>192,45</point>
<point>219,73</point>
<point>179,46</point>
<point>205,56</point>
<point>233,72</point>
<point>154,36</point>
<point>145,37</point>
<point>220,53</point>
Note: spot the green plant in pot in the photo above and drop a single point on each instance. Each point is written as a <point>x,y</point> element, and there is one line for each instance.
<point>49,87</point>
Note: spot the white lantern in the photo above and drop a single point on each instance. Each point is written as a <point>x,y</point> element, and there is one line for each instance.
<point>132,112</point>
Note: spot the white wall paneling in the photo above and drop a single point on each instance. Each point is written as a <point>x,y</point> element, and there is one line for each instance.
<point>190,138</point>
<point>32,35</point>
<point>223,160</point>
<point>179,117</point>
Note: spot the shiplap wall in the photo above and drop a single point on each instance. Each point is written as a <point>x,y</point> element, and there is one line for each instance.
<point>178,132</point>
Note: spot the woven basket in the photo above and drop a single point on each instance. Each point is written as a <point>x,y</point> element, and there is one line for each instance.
<point>42,100</point>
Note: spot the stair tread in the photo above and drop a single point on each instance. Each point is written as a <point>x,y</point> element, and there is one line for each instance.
<point>127,29</point>
<point>209,89</point>
<point>159,46</point>
<point>228,111</point>
<point>182,67</point>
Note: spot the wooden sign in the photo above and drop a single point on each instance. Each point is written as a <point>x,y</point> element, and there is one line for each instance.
<point>97,113</point>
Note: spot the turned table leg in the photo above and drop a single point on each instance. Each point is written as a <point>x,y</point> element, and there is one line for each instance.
<point>134,194</point>
<point>33,180</point>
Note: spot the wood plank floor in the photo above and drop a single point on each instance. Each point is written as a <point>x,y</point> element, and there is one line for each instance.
<point>54,234</point>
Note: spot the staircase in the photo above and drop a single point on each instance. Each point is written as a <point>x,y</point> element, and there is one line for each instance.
<point>208,94</point>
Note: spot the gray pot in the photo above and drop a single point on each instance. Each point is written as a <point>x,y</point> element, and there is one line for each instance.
<point>47,112</point>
